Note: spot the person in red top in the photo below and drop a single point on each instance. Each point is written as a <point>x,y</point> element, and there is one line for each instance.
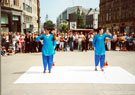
<point>61,42</point>
<point>21,40</point>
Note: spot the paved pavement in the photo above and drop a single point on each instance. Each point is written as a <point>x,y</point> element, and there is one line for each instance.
<point>15,66</point>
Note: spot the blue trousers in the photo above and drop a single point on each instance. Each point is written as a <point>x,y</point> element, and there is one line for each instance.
<point>100,58</point>
<point>47,60</point>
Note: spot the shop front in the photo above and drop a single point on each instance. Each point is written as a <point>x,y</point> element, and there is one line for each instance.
<point>10,20</point>
<point>4,23</point>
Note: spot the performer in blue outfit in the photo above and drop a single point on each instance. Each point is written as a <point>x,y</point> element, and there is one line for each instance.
<point>48,48</point>
<point>99,45</point>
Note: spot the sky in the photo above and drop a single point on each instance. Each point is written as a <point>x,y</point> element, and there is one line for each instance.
<point>53,8</point>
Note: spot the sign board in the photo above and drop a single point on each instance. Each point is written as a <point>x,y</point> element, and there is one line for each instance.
<point>73,25</point>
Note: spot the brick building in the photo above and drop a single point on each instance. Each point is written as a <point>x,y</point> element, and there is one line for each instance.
<point>117,15</point>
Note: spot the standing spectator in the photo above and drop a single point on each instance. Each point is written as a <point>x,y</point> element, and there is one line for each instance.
<point>90,41</point>
<point>83,40</point>
<point>27,43</point>
<point>65,42</point>
<point>14,40</point>
<point>61,42</point>
<point>123,42</point>
<point>3,40</point>
<point>108,43</point>
<point>21,40</point>
<point>17,42</point>
<point>80,43</point>
<point>10,37</point>
<point>57,42</point>
<point>76,40</point>
<point>83,43</point>
<point>86,41</point>
<point>23,43</point>
<point>118,42</point>
<point>129,42</point>
<point>71,41</point>
<point>7,42</point>
<point>32,46</point>
<point>134,42</point>
<point>114,41</point>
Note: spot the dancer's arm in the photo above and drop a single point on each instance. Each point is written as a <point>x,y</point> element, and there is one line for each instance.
<point>39,39</point>
<point>108,36</point>
<point>94,41</point>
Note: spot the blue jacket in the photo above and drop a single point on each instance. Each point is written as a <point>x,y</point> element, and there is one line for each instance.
<point>128,38</point>
<point>99,43</point>
<point>48,44</point>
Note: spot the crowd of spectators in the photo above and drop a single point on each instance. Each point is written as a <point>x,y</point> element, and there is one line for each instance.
<point>13,43</point>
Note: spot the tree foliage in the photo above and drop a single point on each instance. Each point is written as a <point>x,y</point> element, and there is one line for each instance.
<point>81,21</point>
<point>64,27</point>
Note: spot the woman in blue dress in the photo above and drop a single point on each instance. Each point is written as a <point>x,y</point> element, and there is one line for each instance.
<point>99,45</point>
<point>48,48</point>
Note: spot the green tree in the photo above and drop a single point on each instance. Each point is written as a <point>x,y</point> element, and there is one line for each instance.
<point>49,25</point>
<point>81,21</point>
<point>64,27</point>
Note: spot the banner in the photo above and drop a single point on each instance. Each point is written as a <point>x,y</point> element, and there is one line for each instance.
<point>73,25</point>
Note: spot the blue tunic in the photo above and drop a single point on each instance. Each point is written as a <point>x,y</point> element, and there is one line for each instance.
<point>99,43</point>
<point>48,44</point>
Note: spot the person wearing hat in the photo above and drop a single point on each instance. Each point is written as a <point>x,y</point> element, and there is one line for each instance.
<point>99,46</point>
<point>48,48</point>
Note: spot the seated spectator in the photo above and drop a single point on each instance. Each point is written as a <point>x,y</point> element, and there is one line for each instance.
<point>3,51</point>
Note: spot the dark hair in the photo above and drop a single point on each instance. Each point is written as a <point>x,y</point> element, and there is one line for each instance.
<point>49,25</point>
<point>46,26</point>
<point>99,29</point>
<point>54,36</point>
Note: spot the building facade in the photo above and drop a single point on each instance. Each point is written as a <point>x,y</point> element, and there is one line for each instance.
<point>92,19</point>
<point>11,16</point>
<point>20,15</point>
<point>31,17</point>
<point>117,15</point>
<point>70,15</point>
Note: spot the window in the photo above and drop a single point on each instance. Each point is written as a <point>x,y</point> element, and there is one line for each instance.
<point>6,1</point>
<point>4,19</point>
<point>27,19</point>
<point>23,6</point>
<point>16,2</point>
<point>27,8</point>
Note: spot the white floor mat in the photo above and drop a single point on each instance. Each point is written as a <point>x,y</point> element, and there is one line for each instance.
<point>77,74</point>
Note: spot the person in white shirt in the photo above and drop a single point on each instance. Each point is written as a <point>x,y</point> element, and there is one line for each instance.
<point>108,41</point>
<point>79,43</point>
<point>17,42</point>
<point>90,41</point>
<point>14,43</point>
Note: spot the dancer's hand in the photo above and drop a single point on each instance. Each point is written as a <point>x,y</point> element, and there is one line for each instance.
<point>108,33</point>
<point>41,42</point>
